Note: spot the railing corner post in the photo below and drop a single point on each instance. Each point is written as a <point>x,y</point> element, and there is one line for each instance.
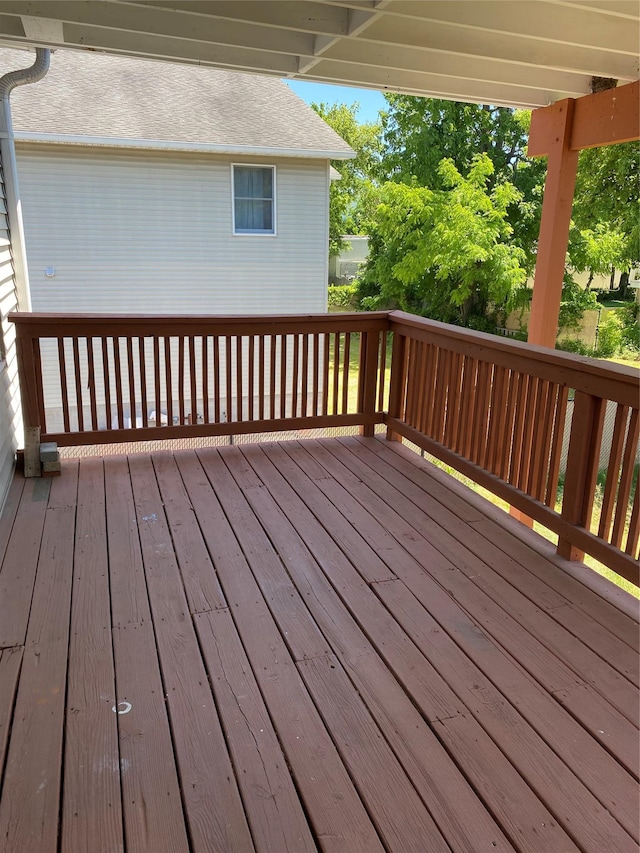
<point>397,382</point>
<point>582,468</point>
<point>369,354</point>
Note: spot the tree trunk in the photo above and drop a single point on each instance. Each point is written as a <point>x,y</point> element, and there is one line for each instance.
<point>624,284</point>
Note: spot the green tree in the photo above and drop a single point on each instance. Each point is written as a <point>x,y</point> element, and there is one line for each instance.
<point>353,198</point>
<point>418,133</point>
<point>445,253</point>
<point>606,209</point>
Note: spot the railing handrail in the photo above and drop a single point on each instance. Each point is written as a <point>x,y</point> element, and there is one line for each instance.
<point>41,324</point>
<point>617,382</point>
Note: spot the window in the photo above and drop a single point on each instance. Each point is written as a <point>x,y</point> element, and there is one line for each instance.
<point>254,200</point>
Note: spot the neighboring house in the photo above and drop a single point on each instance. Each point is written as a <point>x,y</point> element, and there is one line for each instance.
<point>157,187</point>
<point>154,187</point>
<point>344,267</point>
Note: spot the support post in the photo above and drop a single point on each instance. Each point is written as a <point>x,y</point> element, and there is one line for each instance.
<point>28,370</point>
<point>554,225</point>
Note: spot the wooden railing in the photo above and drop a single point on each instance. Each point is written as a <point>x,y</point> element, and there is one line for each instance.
<point>512,417</point>
<point>497,411</point>
<point>91,379</point>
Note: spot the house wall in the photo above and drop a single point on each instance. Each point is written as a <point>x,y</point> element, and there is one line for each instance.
<point>148,232</point>
<point>143,232</point>
<point>10,418</point>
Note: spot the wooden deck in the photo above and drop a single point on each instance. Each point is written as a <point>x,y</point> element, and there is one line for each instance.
<point>298,646</point>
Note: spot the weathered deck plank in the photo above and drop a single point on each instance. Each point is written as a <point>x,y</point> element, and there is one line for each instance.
<point>91,796</point>
<point>316,645</point>
<point>151,802</point>
<point>212,803</point>
<point>30,806</point>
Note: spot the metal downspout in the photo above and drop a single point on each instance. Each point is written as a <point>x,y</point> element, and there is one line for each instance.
<point>8,83</point>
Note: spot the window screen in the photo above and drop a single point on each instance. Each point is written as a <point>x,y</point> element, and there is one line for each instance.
<point>253,199</point>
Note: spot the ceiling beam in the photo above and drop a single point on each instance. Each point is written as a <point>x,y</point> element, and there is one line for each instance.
<point>602,119</point>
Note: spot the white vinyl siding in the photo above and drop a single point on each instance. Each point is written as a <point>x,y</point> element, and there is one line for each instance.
<point>143,232</point>
<point>10,416</point>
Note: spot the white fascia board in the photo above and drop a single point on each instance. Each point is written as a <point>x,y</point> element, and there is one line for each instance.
<point>170,145</point>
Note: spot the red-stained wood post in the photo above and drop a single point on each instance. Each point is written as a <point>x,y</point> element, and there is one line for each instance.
<point>397,382</point>
<point>368,377</point>
<point>582,467</point>
<point>28,371</point>
<point>554,225</point>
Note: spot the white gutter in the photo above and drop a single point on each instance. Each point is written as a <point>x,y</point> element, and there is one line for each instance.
<point>10,171</point>
<point>176,145</point>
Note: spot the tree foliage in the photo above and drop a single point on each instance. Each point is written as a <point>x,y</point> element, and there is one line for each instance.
<point>445,252</point>
<point>606,207</point>
<point>352,198</point>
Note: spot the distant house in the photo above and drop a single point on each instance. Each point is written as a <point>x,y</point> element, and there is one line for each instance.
<point>163,188</point>
<point>344,267</point>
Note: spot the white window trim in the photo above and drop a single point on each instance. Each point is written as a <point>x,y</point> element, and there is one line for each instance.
<point>235,233</point>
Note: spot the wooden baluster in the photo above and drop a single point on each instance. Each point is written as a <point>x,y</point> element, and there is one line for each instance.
<point>537,467</point>
<point>556,447</point>
<point>91,380</point>
<point>252,367</point>
<point>582,467</point>
<point>193,379</point>
<point>453,399</point>
<point>78,383</point>
<point>169,384</point>
<point>424,392</point>
<point>62,362</point>
<point>613,470</point>
<point>181,369</point>
<point>633,536</point>
<point>239,378</point>
<point>346,364</point>
<point>295,377</point>
<point>530,414</point>
<point>479,443</point>
<point>117,367</point>
<point>156,377</point>
<point>217,384</point>
<point>336,371</point>
<point>382,373</point>
<point>272,378</point>
<point>325,372</point>
<point>142,359</point>
<point>468,393</point>
<point>626,480</point>
<point>441,390</point>
<point>305,376</point>
<point>204,343</point>
<point>132,381</point>
<point>316,375</point>
<point>261,377</point>
<point>547,437</point>
<point>518,428</point>
<point>228,374</point>
<point>284,346</point>
<point>510,413</point>
<point>398,382</point>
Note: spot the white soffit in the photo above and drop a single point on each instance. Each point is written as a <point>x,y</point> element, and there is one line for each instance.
<point>525,53</point>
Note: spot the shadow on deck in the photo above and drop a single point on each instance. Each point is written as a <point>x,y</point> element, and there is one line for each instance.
<point>304,645</point>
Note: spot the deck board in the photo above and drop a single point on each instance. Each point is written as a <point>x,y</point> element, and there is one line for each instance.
<point>316,645</point>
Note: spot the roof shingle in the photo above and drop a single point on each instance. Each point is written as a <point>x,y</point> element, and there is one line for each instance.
<point>114,97</point>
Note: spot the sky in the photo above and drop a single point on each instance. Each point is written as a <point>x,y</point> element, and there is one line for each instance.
<point>371,102</point>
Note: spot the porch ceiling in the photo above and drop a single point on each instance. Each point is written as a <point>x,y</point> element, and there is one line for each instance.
<point>525,53</point>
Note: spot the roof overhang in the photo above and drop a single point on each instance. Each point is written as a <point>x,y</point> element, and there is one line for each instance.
<point>171,145</point>
<point>526,53</point>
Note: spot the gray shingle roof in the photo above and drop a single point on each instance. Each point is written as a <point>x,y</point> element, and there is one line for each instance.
<point>100,96</point>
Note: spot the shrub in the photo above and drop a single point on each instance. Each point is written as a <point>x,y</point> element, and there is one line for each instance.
<point>609,335</point>
<point>574,345</point>
<point>343,297</point>
<point>630,315</point>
